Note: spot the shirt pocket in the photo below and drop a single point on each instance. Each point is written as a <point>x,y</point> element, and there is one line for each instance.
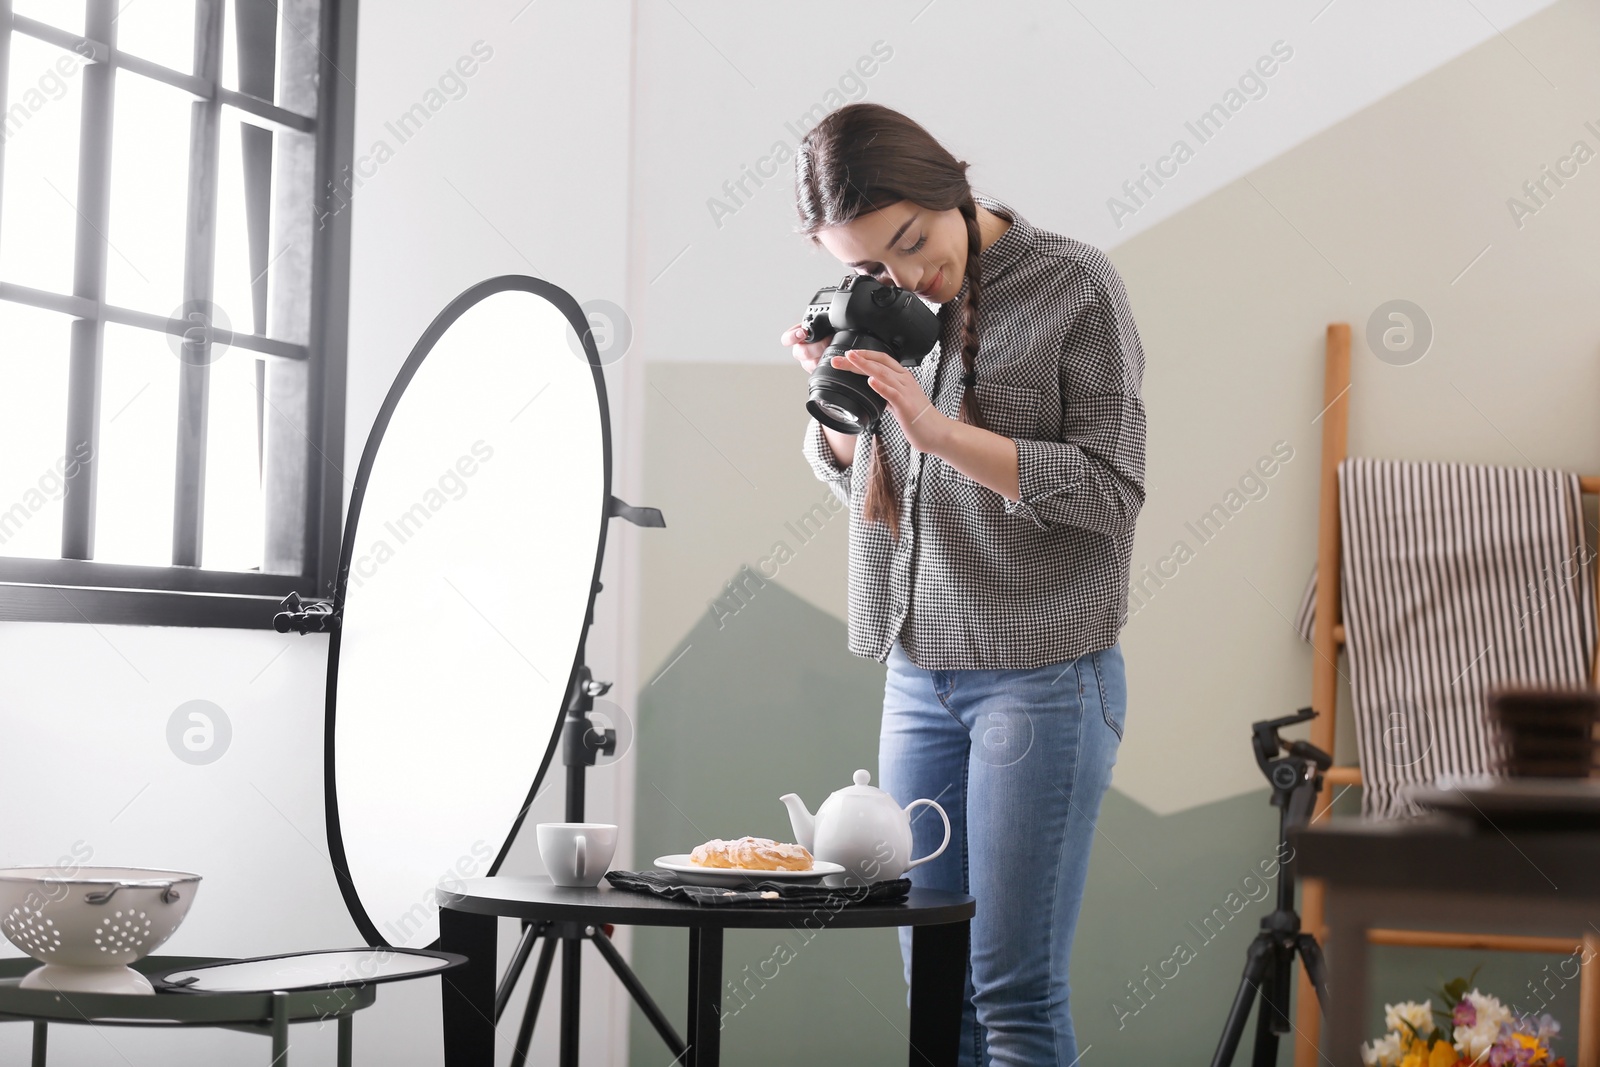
<point>1008,410</point>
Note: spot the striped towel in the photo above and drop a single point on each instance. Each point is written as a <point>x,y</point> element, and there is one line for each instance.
<point>1456,579</point>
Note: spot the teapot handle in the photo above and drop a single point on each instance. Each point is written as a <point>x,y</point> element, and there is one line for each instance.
<point>934,804</point>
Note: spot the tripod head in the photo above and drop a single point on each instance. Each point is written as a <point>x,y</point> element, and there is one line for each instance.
<point>1303,765</point>
<point>583,742</point>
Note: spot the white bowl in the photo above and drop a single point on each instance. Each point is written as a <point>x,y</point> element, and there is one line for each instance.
<point>88,926</point>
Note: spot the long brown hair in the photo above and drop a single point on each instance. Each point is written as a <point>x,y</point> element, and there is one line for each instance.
<point>859,159</point>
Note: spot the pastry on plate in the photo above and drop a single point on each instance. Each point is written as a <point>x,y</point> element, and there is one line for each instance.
<point>752,854</point>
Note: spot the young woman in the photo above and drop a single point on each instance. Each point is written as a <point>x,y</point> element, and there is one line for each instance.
<point>992,509</point>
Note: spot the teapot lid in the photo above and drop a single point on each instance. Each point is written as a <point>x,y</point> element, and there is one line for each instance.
<point>863,786</point>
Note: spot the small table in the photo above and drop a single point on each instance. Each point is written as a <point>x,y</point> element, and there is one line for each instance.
<point>254,1013</point>
<point>1443,873</point>
<point>467,925</point>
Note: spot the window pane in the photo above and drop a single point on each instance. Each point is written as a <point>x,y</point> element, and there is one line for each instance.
<point>235,525</point>
<point>37,222</point>
<point>158,30</point>
<point>230,46</point>
<point>230,53</point>
<point>235,531</point>
<point>231,291</point>
<point>68,14</point>
<point>138,435</point>
<point>149,195</point>
<point>33,430</point>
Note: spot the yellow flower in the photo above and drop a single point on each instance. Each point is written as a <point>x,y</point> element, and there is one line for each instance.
<point>1443,1055</point>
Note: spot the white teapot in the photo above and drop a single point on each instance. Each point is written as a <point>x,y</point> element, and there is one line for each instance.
<point>861,828</point>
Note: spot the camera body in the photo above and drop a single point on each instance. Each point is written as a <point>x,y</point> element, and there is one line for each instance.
<point>862,312</point>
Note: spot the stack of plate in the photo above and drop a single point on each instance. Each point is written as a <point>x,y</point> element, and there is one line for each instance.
<point>1546,733</point>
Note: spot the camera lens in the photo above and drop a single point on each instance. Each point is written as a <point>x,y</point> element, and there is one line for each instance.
<point>839,412</point>
<point>841,399</point>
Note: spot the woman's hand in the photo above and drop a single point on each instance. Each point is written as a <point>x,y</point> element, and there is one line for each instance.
<point>808,353</point>
<point>926,428</point>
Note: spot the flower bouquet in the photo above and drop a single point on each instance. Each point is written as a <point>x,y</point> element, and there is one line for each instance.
<point>1473,1029</point>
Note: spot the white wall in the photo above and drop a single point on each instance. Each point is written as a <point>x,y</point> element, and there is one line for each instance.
<point>535,151</point>
<point>1054,109</point>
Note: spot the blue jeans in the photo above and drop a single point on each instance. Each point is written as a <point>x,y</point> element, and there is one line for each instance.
<point>1019,760</point>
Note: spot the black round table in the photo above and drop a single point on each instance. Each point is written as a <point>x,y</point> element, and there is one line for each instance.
<point>472,1005</point>
<point>257,1013</point>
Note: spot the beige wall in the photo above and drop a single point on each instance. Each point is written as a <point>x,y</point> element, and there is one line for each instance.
<point>1232,296</point>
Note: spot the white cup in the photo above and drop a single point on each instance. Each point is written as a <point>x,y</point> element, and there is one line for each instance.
<point>576,853</point>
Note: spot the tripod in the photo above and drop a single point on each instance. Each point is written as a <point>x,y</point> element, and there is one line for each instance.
<point>581,745</point>
<point>1269,961</point>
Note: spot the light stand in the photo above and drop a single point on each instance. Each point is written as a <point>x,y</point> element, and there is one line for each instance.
<point>1269,961</point>
<point>581,744</point>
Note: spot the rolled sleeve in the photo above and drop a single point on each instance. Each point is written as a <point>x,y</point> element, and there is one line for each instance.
<point>823,465</point>
<point>1066,484</point>
<point>1093,477</point>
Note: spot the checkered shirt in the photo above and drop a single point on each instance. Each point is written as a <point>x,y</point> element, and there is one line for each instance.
<point>976,580</point>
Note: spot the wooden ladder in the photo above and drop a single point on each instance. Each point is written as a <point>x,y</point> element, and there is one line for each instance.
<point>1327,640</point>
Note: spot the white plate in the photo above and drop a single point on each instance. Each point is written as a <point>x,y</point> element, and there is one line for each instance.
<point>694,874</point>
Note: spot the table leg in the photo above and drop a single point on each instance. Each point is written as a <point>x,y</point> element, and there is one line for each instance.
<point>705,996</point>
<point>468,991</point>
<point>1347,983</point>
<point>346,1041</point>
<point>40,1038</point>
<point>938,986</point>
<point>280,1029</point>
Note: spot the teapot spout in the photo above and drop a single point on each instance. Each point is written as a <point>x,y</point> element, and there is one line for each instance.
<point>800,819</point>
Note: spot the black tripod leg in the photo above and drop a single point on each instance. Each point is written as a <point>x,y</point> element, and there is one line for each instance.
<point>1272,1009</point>
<point>541,975</point>
<point>571,977</point>
<point>519,960</point>
<point>1255,965</point>
<point>1316,967</point>
<point>641,996</point>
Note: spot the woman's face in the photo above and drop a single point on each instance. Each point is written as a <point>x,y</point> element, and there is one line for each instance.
<point>909,245</point>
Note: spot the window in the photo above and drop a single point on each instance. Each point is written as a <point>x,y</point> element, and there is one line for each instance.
<point>173,290</point>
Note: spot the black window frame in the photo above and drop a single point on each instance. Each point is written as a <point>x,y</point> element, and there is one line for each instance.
<point>306,397</point>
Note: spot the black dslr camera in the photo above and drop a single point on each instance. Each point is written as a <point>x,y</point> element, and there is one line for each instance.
<point>861,312</point>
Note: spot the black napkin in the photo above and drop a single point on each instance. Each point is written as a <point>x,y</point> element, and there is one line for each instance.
<point>770,893</point>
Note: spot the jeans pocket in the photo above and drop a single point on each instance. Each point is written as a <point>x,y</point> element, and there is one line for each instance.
<point>1113,700</point>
